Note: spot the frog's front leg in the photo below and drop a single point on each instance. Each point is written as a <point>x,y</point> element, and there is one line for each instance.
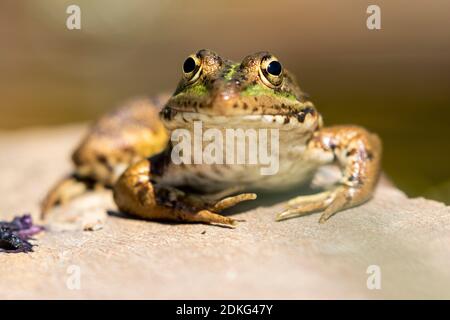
<point>358,153</point>
<point>137,193</point>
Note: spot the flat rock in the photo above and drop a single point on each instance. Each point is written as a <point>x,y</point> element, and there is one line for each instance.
<point>407,240</point>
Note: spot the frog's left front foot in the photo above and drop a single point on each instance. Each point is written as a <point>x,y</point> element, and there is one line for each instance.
<point>138,194</point>
<point>358,152</point>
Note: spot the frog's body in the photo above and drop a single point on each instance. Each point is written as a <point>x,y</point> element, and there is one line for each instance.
<point>293,168</point>
<point>256,93</point>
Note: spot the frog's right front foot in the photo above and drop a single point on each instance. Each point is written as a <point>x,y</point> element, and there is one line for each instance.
<point>135,193</point>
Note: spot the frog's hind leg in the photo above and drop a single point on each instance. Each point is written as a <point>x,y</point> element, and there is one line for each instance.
<point>138,194</point>
<point>65,190</point>
<point>358,153</point>
<point>131,132</point>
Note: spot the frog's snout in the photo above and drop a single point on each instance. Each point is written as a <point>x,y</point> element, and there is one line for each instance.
<point>225,96</point>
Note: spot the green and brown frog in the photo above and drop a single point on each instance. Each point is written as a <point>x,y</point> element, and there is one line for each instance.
<point>129,149</point>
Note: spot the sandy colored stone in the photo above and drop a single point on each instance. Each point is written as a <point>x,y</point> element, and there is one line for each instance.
<point>295,259</point>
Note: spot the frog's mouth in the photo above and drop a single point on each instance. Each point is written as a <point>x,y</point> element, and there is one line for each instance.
<point>306,118</point>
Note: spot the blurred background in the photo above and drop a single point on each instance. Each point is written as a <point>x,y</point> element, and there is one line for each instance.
<point>394,81</point>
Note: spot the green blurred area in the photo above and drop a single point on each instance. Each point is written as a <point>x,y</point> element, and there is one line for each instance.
<point>394,81</point>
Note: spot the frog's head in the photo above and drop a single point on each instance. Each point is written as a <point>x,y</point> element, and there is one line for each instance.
<point>213,87</point>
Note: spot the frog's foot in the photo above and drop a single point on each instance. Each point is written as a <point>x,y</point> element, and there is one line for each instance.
<point>65,190</point>
<point>232,201</point>
<point>358,153</point>
<point>220,201</point>
<point>329,202</point>
<point>136,193</point>
<point>213,207</point>
<point>305,205</point>
<point>206,208</point>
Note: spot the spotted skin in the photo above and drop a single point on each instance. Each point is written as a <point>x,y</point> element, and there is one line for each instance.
<point>118,139</point>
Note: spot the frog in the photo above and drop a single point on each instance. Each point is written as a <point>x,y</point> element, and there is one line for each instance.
<point>130,149</point>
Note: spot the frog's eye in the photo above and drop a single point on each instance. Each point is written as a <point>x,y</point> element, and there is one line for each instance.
<point>191,68</point>
<point>271,71</point>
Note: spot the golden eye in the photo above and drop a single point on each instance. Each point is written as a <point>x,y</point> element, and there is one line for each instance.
<point>191,68</point>
<point>271,71</point>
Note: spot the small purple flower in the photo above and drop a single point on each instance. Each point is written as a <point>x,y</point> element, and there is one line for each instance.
<point>14,235</point>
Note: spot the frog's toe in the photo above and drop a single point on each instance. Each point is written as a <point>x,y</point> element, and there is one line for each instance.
<point>304,209</point>
<point>65,190</point>
<point>342,199</point>
<point>212,216</point>
<point>330,202</point>
<point>229,202</point>
<point>209,217</point>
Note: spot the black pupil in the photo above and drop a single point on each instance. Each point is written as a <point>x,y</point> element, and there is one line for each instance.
<point>189,65</point>
<point>274,68</point>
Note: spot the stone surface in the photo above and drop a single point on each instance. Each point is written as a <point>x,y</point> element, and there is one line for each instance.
<point>298,258</point>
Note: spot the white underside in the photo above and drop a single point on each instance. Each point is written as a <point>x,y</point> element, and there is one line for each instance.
<point>294,166</point>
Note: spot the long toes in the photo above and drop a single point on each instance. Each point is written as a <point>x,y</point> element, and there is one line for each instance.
<point>302,200</point>
<point>232,201</point>
<point>339,203</point>
<point>206,216</point>
<point>299,211</point>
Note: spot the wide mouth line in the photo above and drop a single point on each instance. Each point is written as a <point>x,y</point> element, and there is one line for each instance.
<point>185,112</point>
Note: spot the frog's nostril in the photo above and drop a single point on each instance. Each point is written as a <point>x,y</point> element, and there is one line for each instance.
<point>225,96</point>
